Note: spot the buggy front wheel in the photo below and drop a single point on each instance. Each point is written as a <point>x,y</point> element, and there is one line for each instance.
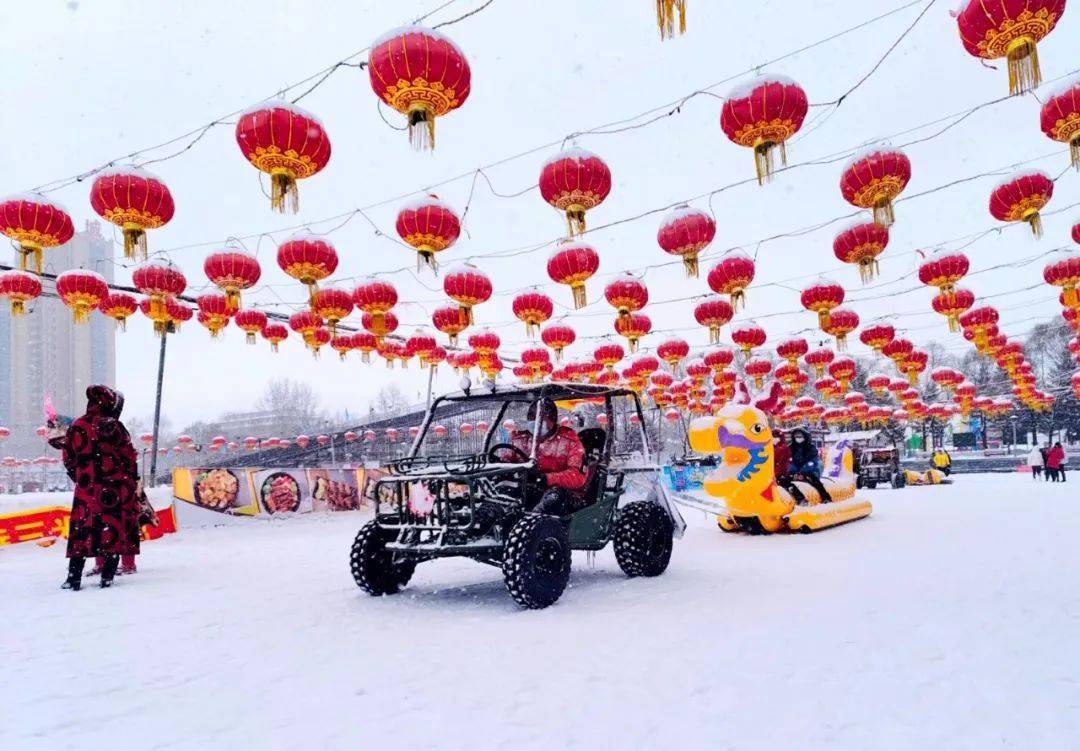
<point>643,539</point>
<point>373,567</point>
<point>536,560</point>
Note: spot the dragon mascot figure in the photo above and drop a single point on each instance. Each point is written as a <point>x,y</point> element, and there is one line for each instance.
<point>745,480</point>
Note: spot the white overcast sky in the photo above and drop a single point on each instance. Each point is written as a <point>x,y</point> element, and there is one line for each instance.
<point>96,79</point>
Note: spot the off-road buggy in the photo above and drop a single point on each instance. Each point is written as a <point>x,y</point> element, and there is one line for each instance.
<point>477,503</point>
<point>877,464</point>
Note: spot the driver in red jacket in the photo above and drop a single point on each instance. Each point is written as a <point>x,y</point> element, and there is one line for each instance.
<point>560,458</point>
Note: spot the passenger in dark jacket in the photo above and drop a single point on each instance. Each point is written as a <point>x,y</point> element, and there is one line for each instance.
<point>806,462</point>
<point>782,465</point>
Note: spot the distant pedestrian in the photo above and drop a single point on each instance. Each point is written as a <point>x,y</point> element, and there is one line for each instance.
<point>1046,470</point>
<point>101,461</point>
<point>1035,461</point>
<point>1055,457</point>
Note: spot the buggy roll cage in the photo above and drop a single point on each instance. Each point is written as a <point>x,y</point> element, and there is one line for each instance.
<point>555,391</point>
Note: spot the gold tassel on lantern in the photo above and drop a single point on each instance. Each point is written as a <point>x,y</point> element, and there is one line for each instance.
<point>1074,151</point>
<point>1033,218</point>
<point>690,265</point>
<point>425,256</point>
<point>579,295</point>
<point>232,299</point>
<point>1070,297</point>
<point>883,212</point>
<point>714,335</point>
<point>823,319</point>
<point>283,193</point>
<point>665,17</point>
<point>868,269</point>
<point>575,219</point>
<point>738,298</point>
<point>763,159</point>
<point>421,126</point>
<point>1023,59</point>
<point>26,252</point>
<point>134,241</point>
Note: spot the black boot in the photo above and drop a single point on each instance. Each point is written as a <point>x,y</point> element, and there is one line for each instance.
<point>74,577</point>
<point>108,571</point>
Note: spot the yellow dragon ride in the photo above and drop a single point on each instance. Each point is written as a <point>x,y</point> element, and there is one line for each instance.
<point>745,480</point>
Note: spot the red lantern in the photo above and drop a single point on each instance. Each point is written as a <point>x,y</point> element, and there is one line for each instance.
<point>818,359</point>
<point>160,282</point>
<point>575,181</point>
<point>1074,381</point>
<point>450,321</point>
<point>308,259</point>
<point>572,264</point>
<point>332,305</point>
<point>467,286</point>
<point>712,313</point>
<point>873,179</point>
<point>421,344</point>
<point>913,365</point>
<point>673,351</point>
<point>558,336</point>
<point>633,326</point>
<point>762,115</point>
<point>342,345</point>
<point>841,323</point>
<point>878,383</point>
<point>944,270</point>
<point>251,322</point>
<point>898,350</point>
<point>1065,273</point>
<point>843,370</point>
<point>379,325</point>
<point>35,223</point>
<point>285,142</point>
<point>626,294</point>
<point>748,336</point>
<point>1060,117</point>
<point>685,232</point>
<point>82,291</point>
<point>429,226</point>
<point>861,244</point>
<point>484,342</point>
<point>718,359</point>
<point>532,308</point>
<point>608,354</point>
<point>318,339</point>
<point>731,275</point>
<point>232,271</point>
<point>822,297</point>
<point>214,312</point>
<point>134,200</point>
<point>275,333</point>
<point>421,74</point>
<point>1009,29</point>
<point>178,313</point>
<point>792,349</point>
<point>366,343</point>
<point>1021,198</point>
<point>19,288</point>
<point>952,305</point>
<point>758,368</point>
<point>305,323</point>
<point>980,321</point>
<point>876,336</point>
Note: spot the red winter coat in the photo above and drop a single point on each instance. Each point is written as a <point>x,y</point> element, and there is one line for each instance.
<point>1055,458</point>
<point>781,458</point>
<point>560,457</point>
<point>101,461</point>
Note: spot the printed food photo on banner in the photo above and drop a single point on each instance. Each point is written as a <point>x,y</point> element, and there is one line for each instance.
<point>226,491</point>
<point>282,491</point>
<point>334,489</point>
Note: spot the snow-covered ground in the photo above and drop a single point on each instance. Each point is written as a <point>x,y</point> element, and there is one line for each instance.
<point>947,620</point>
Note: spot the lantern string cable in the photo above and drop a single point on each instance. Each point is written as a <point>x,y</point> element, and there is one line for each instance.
<point>836,156</point>
<point>881,61</point>
<point>674,107</point>
<point>319,77</point>
<point>471,13</point>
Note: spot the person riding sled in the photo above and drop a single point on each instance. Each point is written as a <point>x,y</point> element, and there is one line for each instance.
<point>806,463</point>
<point>782,464</point>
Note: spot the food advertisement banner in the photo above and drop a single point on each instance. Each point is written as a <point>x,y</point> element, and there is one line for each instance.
<point>247,492</point>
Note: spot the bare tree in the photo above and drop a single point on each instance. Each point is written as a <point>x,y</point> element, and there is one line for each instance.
<point>389,398</point>
<point>295,403</point>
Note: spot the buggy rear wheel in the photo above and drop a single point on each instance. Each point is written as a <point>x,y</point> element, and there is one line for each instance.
<point>899,480</point>
<point>373,567</point>
<point>536,560</point>
<point>643,539</point>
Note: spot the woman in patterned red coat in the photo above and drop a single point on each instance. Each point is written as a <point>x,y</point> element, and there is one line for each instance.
<point>101,461</point>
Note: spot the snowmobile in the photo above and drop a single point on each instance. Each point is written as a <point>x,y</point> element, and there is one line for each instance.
<point>477,505</point>
<point>743,491</point>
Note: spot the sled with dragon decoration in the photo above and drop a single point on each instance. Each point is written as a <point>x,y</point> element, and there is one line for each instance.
<point>743,491</point>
